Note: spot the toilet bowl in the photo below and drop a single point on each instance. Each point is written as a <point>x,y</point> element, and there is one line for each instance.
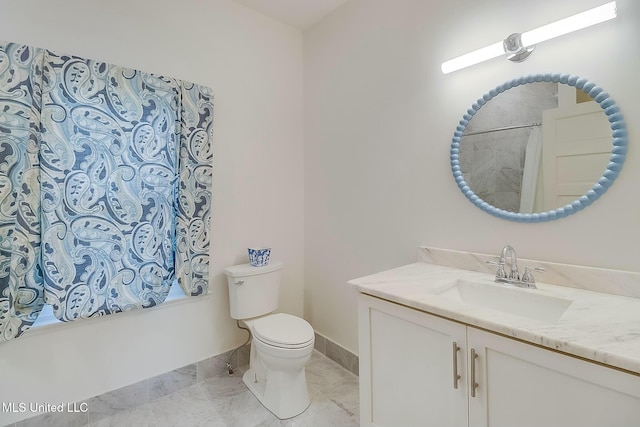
<point>281,343</point>
<point>281,347</point>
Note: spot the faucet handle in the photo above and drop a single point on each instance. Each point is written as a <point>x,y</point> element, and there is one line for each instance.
<point>500,273</point>
<point>527,277</point>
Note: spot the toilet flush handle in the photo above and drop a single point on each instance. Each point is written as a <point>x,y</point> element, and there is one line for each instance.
<point>239,282</point>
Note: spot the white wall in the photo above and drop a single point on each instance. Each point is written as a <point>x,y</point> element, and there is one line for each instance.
<point>254,66</point>
<point>379,118</point>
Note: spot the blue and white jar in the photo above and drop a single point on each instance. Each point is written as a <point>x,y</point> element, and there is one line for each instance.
<point>259,256</point>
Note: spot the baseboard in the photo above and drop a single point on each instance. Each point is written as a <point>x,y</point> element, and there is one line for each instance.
<point>337,353</point>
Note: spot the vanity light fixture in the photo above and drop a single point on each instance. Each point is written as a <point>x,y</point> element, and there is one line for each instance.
<point>517,47</point>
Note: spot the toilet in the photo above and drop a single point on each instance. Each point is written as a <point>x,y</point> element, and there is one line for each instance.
<point>281,344</point>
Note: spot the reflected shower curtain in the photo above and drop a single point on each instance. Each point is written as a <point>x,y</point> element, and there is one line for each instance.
<point>531,170</point>
<point>123,198</point>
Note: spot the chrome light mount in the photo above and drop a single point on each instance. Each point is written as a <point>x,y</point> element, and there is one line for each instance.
<point>514,50</point>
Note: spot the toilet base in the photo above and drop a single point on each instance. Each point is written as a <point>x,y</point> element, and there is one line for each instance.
<point>283,393</point>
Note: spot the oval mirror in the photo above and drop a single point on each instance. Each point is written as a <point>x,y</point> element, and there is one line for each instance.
<point>539,147</point>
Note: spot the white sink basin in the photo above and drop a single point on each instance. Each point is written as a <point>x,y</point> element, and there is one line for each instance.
<point>506,298</point>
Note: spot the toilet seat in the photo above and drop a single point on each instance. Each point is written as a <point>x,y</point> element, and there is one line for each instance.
<point>283,330</point>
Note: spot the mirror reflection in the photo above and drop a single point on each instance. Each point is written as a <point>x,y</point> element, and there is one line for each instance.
<point>535,147</point>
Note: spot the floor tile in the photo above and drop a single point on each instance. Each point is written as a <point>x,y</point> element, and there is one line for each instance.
<point>346,395</point>
<point>173,381</point>
<point>124,398</point>
<point>242,410</point>
<point>323,373</point>
<point>56,419</point>
<point>322,412</point>
<point>224,385</point>
<point>235,404</point>
<point>187,407</point>
<point>140,416</point>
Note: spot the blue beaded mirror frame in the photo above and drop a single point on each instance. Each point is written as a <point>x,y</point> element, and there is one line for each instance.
<point>618,152</point>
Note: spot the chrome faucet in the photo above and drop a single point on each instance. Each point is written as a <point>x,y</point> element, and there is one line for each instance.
<point>514,274</point>
<point>527,280</point>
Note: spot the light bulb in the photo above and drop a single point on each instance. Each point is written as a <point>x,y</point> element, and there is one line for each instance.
<point>571,24</point>
<point>473,58</point>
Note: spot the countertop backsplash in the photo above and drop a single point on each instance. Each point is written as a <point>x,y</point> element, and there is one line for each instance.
<point>616,282</point>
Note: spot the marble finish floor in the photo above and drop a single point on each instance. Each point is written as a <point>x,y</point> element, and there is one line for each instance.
<point>224,401</point>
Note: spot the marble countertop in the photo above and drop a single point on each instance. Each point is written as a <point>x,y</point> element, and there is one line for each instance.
<point>596,326</point>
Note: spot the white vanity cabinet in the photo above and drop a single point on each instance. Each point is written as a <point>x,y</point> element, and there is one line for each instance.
<point>406,367</point>
<point>409,363</point>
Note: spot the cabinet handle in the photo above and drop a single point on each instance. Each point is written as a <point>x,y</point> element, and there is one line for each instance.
<point>456,376</point>
<point>474,384</point>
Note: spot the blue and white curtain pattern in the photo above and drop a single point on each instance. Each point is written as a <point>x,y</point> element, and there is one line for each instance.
<point>194,194</point>
<point>21,281</point>
<point>105,186</point>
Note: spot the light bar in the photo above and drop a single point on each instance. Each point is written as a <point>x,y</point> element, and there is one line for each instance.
<point>531,38</point>
<point>473,58</point>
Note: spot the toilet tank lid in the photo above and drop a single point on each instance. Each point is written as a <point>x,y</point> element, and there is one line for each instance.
<point>244,270</point>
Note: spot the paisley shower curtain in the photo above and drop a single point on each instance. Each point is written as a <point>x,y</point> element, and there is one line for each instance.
<point>105,176</point>
<point>21,281</point>
<point>194,194</point>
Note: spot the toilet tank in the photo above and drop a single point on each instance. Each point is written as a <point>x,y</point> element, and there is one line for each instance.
<point>253,291</point>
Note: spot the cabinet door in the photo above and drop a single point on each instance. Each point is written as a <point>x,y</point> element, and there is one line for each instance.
<point>407,367</point>
<point>522,385</point>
